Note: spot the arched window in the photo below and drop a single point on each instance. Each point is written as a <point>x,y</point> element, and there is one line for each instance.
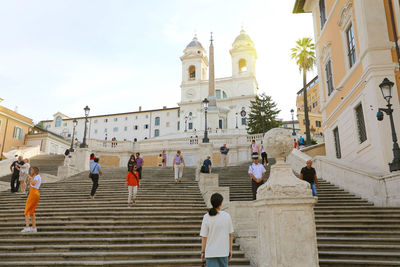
<point>242,65</point>
<point>58,121</point>
<point>192,72</point>
<point>156,132</point>
<point>218,94</point>
<point>157,121</point>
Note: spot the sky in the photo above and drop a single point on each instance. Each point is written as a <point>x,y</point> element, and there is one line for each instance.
<point>115,56</point>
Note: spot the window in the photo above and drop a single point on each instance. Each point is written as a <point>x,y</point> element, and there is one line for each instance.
<point>134,139</point>
<point>224,95</point>
<point>135,127</point>
<point>115,119</point>
<point>242,65</point>
<point>190,125</point>
<point>179,113</point>
<point>125,128</point>
<point>95,121</point>
<point>329,81</point>
<point>115,129</point>
<point>147,116</point>
<point>218,94</point>
<point>179,125</point>
<point>243,121</point>
<point>167,114</point>
<point>192,72</point>
<point>317,123</point>
<point>58,121</point>
<point>220,124</point>
<point>157,121</point>
<point>136,117</point>
<point>351,46</point>
<point>18,132</point>
<point>64,124</point>
<point>105,120</point>
<point>156,132</point>
<point>337,142</point>
<point>146,126</point>
<point>95,131</point>
<point>362,133</point>
<point>105,130</point>
<point>322,14</point>
<point>126,118</point>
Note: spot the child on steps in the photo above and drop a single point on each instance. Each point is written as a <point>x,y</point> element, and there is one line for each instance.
<point>132,182</point>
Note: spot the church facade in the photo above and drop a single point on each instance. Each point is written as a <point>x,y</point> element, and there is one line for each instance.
<point>230,95</point>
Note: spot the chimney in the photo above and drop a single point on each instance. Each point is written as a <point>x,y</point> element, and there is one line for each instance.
<point>164,107</point>
<point>140,108</point>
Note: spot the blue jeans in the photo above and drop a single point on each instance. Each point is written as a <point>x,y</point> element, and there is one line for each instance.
<point>313,189</point>
<point>217,262</point>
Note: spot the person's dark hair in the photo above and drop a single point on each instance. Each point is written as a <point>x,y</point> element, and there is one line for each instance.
<point>132,156</point>
<point>216,201</point>
<point>96,160</point>
<point>91,155</point>
<point>66,153</point>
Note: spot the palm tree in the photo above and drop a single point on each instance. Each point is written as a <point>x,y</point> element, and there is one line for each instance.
<point>304,54</point>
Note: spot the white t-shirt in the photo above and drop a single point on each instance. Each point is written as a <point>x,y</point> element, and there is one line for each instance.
<point>25,169</point>
<point>39,181</point>
<point>257,170</point>
<point>217,229</point>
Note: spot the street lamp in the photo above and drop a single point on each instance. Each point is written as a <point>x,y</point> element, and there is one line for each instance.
<point>386,89</point>
<point>205,103</point>
<point>186,119</point>
<point>294,132</point>
<point>84,145</point>
<point>262,116</point>
<point>236,120</point>
<point>74,123</point>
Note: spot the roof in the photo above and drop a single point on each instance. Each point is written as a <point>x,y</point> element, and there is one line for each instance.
<point>299,7</point>
<point>194,43</point>
<point>242,38</point>
<point>308,84</point>
<point>117,114</point>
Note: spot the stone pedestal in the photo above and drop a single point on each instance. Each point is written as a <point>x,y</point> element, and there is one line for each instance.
<point>208,184</point>
<point>80,159</point>
<point>67,171</point>
<point>207,180</point>
<point>284,210</point>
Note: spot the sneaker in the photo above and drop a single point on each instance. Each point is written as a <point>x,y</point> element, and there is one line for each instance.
<point>26,229</point>
<point>33,230</point>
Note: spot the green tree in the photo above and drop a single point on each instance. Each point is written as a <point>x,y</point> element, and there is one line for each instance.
<point>255,120</point>
<point>304,54</point>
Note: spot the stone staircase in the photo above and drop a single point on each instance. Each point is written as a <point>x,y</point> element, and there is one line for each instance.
<point>350,231</point>
<point>162,229</point>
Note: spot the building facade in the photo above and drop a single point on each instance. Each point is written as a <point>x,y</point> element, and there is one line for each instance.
<point>314,113</point>
<point>13,129</point>
<point>232,94</point>
<point>355,48</point>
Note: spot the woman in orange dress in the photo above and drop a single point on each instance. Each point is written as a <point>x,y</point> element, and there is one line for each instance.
<point>34,180</point>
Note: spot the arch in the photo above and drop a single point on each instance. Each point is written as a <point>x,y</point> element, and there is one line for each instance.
<point>242,65</point>
<point>192,72</point>
<point>58,121</point>
<point>157,121</point>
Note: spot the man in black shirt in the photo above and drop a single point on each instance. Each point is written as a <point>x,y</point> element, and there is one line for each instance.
<point>308,174</point>
<point>14,168</point>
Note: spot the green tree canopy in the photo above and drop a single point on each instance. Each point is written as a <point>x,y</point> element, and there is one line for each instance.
<point>254,122</point>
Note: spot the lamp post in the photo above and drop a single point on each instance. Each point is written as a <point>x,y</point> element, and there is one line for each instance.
<point>84,145</point>
<point>386,89</point>
<point>236,120</point>
<point>294,132</point>
<point>186,119</point>
<point>262,116</point>
<point>74,123</point>
<point>205,103</point>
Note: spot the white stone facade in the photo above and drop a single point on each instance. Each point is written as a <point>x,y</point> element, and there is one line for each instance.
<point>233,95</point>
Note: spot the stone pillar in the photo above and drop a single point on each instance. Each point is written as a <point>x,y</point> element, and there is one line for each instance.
<point>66,171</point>
<point>81,159</point>
<point>285,214</point>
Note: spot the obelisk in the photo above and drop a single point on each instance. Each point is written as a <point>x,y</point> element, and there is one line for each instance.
<point>211,78</point>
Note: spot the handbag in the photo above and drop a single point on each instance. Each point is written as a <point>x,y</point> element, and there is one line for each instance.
<point>203,169</point>
<point>90,173</point>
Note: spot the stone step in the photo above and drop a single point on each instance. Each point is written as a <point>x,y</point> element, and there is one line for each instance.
<point>358,240</point>
<point>365,255</point>
<point>359,247</point>
<point>105,255</point>
<point>363,263</point>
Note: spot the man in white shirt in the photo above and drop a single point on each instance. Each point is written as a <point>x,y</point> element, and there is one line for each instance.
<point>256,173</point>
